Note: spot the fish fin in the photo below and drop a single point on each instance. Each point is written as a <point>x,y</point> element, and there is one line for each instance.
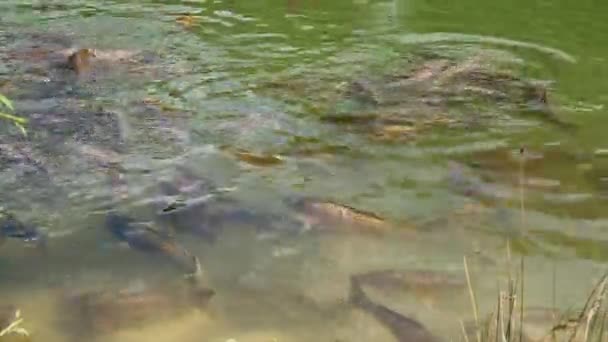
<point>198,270</point>
<point>121,245</point>
<point>151,228</point>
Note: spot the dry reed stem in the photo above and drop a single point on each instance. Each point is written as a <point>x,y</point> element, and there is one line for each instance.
<point>593,302</point>
<point>464,331</point>
<point>473,299</point>
<point>603,326</point>
<point>498,316</point>
<point>522,179</point>
<point>11,327</point>
<point>521,306</point>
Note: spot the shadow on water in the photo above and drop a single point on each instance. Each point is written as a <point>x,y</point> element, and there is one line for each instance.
<point>294,171</point>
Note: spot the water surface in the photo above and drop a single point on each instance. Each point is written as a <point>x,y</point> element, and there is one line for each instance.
<point>211,76</point>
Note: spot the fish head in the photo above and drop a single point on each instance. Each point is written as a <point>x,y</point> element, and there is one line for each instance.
<point>297,203</point>
<point>168,188</point>
<point>10,227</point>
<point>118,224</point>
<point>91,52</point>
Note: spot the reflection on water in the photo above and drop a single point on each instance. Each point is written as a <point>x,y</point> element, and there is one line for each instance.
<point>295,170</point>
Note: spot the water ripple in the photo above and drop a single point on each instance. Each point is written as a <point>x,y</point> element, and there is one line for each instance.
<point>435,37</point>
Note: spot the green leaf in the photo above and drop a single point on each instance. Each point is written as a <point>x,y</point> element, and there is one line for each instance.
<point>13,118</point>
<point>22,129</point>
<point>4,100</point>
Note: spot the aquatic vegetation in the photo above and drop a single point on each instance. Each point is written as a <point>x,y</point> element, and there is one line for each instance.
<point>512,321</point>
<point>11,325</point>
<point>18,121</point>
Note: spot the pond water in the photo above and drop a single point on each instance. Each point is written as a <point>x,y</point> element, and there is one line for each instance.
<point>236,92</point>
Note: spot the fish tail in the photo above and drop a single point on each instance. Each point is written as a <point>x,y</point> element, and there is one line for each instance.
<point>198,270</point>
<point>356,295</point>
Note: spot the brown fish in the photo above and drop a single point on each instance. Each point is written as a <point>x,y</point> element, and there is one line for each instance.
<point>80,60</point>
<point>318,212</point>
<point>186,20</point>
<point>106,311</point>
<point>403,328</point>
<point>411,279</point>
<point>425,285</point>
<point>255,159</point>
<point>151,241</point>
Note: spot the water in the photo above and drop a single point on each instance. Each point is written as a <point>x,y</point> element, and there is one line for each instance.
<point>257,76</point>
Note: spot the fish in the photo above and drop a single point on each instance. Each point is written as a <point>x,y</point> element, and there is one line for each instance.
<point>148,240</point>
<point>191,216</point>
<point>11,227</point>
<point>411,279</point>
<point>208,222</point>
<point>79,61</point>
<point>256,159</point>
<point>104,311</point>
<point>404,329</point>
<point>319,212</point>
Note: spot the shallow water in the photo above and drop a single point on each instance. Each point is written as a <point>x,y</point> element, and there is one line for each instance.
<point>256,76</point>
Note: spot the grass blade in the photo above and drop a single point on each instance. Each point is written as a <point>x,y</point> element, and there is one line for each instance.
<point>603,323</point>
<point>5,101</point>
<point>464,331</point>
<point>11,327</point>
<point>473,299</point>
<point>13,118</point>
<point>22,129</point>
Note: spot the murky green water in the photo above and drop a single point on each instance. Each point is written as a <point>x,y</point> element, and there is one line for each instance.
<point>257,76</point>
